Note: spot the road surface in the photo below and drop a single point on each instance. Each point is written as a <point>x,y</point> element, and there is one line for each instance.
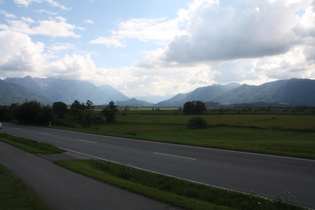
<point>291,179</point>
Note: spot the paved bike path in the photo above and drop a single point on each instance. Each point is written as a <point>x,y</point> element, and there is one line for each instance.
<point>63,189</point>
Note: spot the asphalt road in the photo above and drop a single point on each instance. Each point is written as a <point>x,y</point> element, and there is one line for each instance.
<point>291,179</point>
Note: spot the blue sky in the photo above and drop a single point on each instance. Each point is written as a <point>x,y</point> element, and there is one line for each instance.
<point>155,49</point>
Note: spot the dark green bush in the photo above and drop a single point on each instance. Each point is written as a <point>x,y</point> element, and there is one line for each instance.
<point>197,123</point>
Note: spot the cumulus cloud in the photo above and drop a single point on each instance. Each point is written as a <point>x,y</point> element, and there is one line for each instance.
<point>226,30</point>
<point>19,55</point>
<point>160,29</point>
<point>55,27</point>
<point>239,41</point>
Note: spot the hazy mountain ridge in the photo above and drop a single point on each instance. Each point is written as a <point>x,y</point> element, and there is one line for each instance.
<point>205,94</point>
<point>12,93</point>
<point>134,102</point>
<point>67,91</point>
<point>292,92</point>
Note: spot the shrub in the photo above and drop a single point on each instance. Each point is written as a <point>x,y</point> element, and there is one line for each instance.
<point>197,123</point>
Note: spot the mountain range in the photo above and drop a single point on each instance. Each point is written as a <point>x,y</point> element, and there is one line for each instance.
<point>292,92</point>
<point>55,89</point>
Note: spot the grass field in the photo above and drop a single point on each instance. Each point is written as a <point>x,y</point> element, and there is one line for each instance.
<point>288,135</point>
<point>139,123</point>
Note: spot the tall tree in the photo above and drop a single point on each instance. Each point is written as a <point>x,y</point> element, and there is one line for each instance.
<point>188,108</point>
<point>28,111</point>
<point>60,109</point>
<point>46,116</point>
<point>110,112</point>
<point>76,108</point>
<point>194,107</point>
<point>200,107</point>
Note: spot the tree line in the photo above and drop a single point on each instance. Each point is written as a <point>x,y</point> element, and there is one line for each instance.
<point>59,113</point>
<point>34,112</point>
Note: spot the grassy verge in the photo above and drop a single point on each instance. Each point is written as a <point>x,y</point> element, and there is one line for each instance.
<point>29,145</point>
<point>174,191</point>
<point>14,194</point>
<point>277,142</point>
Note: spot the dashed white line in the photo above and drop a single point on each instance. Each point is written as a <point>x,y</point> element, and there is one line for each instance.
<point>176,156</point>
<point>92,142</point>
<point>39,132</point>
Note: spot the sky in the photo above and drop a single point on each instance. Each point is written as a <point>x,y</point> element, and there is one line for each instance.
<point>153,50</point>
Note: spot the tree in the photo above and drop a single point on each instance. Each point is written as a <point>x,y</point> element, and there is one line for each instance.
<point>60,109</point>
<point>87,118</point>
<point>194,107</point>
<point>110,111</point>
<point>28,111</point>
<point>89,105</point>
<point>188,108</point>
<point>76,108</point>
<point>46,116</point>
<point>200,107</point>
<point>88,114</point>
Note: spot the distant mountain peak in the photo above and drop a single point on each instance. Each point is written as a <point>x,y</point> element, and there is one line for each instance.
<point>134,102</point>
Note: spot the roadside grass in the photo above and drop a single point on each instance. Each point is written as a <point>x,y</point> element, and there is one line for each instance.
<point>277,142</point>
<point>15,195</point>
<point>29,145</point>
<point>177,192</point>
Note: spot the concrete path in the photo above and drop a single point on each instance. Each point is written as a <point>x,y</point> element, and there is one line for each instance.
<point>62,189</point>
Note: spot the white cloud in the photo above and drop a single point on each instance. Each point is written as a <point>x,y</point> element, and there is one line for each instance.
<point>56,47</point>
<point>72,66</point>
<point>6,14</point>
<point>159,29</point>
<point>148,29</point>
<point>229,30</point>
<point>47,12</point>
<point>52,3</point>
<point>238,41</point>
<point>88,21</point>
<point>55,27</point>
<point>19,55</point>
<point>109,42</point>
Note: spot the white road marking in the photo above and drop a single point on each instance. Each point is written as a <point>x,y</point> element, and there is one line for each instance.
<point>176,156</point>
<point>92,142</point>
<point>43,133</point>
